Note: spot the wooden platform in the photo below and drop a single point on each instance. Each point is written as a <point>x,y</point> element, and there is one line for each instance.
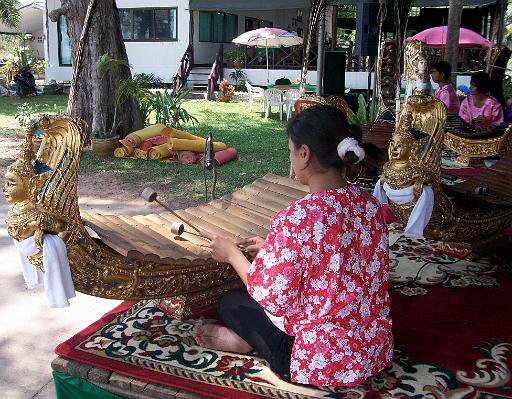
<point>127,387</point>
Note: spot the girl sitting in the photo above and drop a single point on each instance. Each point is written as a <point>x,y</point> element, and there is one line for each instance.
<point>481,109</point>
<point>316,306</point>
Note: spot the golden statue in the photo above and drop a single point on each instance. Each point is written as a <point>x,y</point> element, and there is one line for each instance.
<point>415,159</point>
<point>405,152</point>
<point>26,218</point>
<point>417,74</point>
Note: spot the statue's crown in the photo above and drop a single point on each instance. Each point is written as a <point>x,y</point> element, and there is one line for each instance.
<point>23,165</point>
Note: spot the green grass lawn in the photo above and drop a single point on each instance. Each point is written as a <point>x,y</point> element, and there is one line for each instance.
<point>41,104</point>
<point>261,143</point>
<point>262,147</point>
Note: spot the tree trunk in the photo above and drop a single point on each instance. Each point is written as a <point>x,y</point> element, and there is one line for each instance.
<point>452,33</point>
<point>95,98</point>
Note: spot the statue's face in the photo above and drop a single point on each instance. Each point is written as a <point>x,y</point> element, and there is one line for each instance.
<point>398,148</point>
<point>422,66</point>
<point>15,187</point>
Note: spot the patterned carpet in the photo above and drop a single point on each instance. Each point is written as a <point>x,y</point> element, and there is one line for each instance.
<point>452,327</point>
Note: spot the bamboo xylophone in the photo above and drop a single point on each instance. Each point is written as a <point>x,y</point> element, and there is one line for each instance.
<point>245,213</point>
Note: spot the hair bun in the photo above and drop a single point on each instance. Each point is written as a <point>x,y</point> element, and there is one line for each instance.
<point>350,144</point>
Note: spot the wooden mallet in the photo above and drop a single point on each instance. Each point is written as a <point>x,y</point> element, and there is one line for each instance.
<point>151,195</point>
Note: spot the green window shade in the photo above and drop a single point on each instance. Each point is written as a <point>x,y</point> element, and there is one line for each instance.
<point>205,26</point>
<point>143,24</point>
<point>125,17</point>
<point>231,27</point>
<point>218,27</point>
<point>64,44</point>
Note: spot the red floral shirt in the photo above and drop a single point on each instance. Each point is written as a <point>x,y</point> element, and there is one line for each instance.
<point>324,268</point>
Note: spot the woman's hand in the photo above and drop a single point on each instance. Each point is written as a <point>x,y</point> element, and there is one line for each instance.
<point>251,245</point>
<point>223,249</point>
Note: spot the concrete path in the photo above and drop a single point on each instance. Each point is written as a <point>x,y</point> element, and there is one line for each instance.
<point>29,329</point>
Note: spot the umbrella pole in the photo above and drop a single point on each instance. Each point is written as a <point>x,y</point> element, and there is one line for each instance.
<point>268,73</point>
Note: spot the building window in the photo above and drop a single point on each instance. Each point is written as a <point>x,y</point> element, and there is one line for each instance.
<point>149,24</point>
<point>254,23</point>
<point>218,27</point>
<point>64,44</point>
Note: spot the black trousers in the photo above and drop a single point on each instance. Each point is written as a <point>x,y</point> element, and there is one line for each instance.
<point>242,314</point>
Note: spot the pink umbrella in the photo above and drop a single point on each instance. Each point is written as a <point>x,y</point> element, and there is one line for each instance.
<point>268,38</point>
<point>436,38</point>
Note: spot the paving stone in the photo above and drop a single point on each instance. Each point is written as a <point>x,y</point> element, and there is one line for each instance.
<point>120,381</point>
<point>99,375</point>
<point>156,391</point>
<point>71,367</point>
<point>122,392</point>
<point>138,385</point>
<point>189,395</point>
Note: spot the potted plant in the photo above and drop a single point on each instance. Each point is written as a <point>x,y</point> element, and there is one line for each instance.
<point>238,58</point>
<point>239,77</point>
<point>228,57</point>
<point>235,58</point>
<point>226,91</point>
<point>104,140</point>
<point>168,108</point>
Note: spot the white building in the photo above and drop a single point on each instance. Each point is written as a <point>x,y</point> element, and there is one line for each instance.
<point>31,21</point>
<point>158,32</point>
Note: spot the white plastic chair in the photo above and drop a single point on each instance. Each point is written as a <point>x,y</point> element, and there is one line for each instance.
<point>255,93</point>
<point>273,97</point>
<point>291,96</point>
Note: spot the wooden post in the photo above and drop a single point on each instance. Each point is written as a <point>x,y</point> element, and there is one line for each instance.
<point>334,27</point>
<point>452,33</point>
<point>497,31</point>
<point>320,55</point>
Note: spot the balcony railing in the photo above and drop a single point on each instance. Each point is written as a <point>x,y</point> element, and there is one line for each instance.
<point>291,58</point>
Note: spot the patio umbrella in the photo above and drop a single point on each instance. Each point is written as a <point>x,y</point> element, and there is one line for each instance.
<point>436,38</point>
<point>268,38</point>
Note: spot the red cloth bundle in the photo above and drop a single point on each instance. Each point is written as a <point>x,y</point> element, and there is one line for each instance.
<point>188,157</point>
<point>132,140</point>
<point>149,143</point>
<point>221,157</point>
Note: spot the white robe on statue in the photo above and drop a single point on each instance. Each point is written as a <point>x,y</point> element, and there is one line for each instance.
<point>422,211</point>
<point>56,278</point>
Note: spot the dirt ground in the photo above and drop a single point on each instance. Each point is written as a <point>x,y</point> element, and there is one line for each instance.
<point>97,192</point>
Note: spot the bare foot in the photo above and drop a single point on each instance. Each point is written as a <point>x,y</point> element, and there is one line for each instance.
<point>220,338</point>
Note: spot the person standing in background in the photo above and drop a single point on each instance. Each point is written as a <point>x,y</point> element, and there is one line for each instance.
<point>441,73</point>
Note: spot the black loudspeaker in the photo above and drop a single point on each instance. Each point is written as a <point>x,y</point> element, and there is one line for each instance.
<point>334,73</point>
<point>367,28</point>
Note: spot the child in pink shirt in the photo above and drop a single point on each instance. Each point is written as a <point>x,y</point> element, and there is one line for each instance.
<point>441,72</point>
<point>480,109</point>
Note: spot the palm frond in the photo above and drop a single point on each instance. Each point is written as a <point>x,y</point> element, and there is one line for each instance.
<point>106,62</point>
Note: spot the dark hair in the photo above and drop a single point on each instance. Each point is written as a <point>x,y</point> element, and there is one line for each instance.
<point>444,68</point>
<point>482,82</point>
<point>322,128</point>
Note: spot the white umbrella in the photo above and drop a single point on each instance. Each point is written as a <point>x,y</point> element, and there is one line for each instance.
<point>268,38</point>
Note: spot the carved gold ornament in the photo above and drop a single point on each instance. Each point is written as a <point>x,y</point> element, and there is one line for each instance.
<point>415,159</point>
